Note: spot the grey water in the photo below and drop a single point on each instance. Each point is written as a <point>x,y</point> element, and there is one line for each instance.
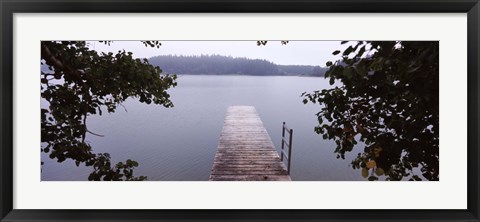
<point>179,143</point>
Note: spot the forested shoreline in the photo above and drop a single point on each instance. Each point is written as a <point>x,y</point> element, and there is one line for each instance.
<point>221,65</point>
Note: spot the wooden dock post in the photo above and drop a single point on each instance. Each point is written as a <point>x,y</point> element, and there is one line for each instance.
<point>245,151</point>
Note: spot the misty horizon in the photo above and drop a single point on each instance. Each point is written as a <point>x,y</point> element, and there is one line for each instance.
<point>234,57</point>
<point>314,53</point>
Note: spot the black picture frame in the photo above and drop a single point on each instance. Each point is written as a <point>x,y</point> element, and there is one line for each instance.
<point>9,7</point>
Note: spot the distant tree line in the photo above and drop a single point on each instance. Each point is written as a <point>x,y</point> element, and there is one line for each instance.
<point>218,64</point>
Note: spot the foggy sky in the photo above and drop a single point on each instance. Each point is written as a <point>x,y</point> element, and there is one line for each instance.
<point>293,53</point>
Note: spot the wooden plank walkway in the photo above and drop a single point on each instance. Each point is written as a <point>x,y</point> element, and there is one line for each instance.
<point>245,150</point>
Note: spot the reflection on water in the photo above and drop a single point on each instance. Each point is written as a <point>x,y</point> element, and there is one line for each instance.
<point>179,144</point>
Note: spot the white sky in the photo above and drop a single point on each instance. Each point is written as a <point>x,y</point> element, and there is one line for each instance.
<point>294,53</point>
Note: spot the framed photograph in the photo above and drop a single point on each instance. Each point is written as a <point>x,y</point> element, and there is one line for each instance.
<point>230,110</point>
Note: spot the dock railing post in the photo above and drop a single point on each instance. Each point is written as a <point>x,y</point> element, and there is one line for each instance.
<point>289,146</point>
<point>290,150</point>
<point>283,136</point>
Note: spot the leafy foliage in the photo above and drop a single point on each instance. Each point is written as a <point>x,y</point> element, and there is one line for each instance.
<point>82,82</point>
<point>389,100</point>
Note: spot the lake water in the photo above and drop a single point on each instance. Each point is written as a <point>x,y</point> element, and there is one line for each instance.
<point>179,144</point>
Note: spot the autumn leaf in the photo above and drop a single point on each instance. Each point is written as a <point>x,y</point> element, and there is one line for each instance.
<point>371,164</point>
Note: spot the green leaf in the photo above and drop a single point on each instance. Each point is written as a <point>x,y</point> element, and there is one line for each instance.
<point>348,51</point>
<point>364,172</point>
<point>362,50</point>
<point>379,171</point>
<point>332,81</point>
<point>336,52</point>
<point>329,63</point>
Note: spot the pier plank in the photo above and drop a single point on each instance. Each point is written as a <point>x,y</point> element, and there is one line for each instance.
<point>245,151</point>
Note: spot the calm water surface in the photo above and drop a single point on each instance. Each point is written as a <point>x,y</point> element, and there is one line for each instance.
<point>179,144</point>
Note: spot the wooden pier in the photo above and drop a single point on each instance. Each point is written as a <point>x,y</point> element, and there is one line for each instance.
<point>245,151</point>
